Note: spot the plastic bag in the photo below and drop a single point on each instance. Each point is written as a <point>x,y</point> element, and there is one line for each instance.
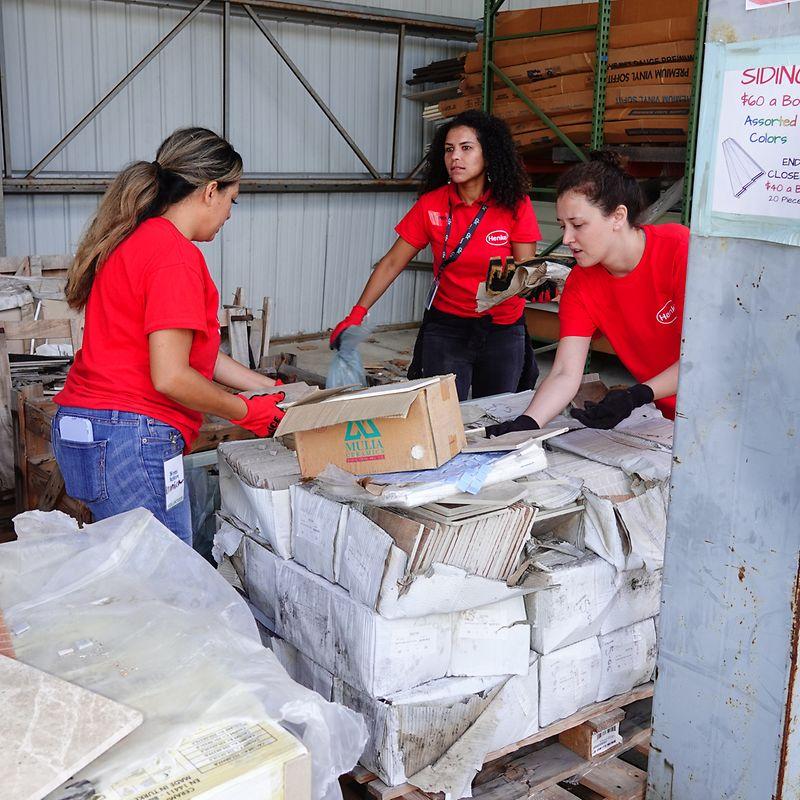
<point>124,608</point>
<point>346,368</point>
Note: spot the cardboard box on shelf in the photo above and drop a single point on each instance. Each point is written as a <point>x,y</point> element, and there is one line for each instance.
<point>627,658</point>
<point>520,51</point>
<point>661,56</point>
<point>403,426</point>
<point>569,679</point>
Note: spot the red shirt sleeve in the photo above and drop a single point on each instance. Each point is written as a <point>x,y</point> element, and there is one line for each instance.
<point>573,316</point>
<point>174,297</point>
<point>526,228</point>
<point>412,227</point>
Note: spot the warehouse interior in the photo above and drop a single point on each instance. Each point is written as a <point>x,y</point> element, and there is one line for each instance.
<point>399,584</point>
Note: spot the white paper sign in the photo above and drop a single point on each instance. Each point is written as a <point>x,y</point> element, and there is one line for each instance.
<point>752,5</point>
<point>173,481</point>
<point>757,169</point>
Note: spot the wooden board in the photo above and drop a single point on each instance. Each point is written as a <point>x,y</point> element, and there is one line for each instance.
<point>616,780</point>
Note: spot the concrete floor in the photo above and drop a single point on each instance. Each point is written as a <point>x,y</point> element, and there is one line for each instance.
<point>396,346</point>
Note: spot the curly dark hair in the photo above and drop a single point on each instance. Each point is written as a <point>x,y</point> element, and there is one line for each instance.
<point>504,168</point>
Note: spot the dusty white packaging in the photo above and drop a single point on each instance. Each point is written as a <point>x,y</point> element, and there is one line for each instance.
<point>439,729</point>
<point>375,570</point>
<point>628,658</point>
<point>569,679</point>
<point>317,529</point>
<point>267,511</point>
<point>588,598</point>
<point>372,653</point>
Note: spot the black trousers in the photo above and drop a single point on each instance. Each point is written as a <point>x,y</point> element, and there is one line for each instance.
<point>490,358</point>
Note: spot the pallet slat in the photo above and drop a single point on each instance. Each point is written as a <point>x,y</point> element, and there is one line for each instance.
<point>616,780</point>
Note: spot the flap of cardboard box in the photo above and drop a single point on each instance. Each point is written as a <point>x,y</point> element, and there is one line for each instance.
<point>392,400</point>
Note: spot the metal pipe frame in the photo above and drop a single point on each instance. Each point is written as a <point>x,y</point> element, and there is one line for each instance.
<point>324,13</point>
<point>600,73</point>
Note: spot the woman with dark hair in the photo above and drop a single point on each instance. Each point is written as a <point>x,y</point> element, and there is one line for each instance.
<point>473,206</point>
<point>136,393</point>
<point>629,284</point>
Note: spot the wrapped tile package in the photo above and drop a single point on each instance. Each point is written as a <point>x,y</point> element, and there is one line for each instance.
<point>587,598</point>
<point>569,679</point>
<point>124,608</point>
<point>433,726</point>
<point>627,658</point>
<point>254,481</point>
<point>343,545</point>
<point>374,654</point>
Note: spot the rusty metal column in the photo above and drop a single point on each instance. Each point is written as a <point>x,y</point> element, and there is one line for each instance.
<point>725,710</point>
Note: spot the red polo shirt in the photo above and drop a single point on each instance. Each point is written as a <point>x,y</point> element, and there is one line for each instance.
<point>641,313</point>
<point>425,225</point>
<point>156,279</point>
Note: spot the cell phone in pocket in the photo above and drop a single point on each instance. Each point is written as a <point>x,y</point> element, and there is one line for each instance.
<point>75,429</point>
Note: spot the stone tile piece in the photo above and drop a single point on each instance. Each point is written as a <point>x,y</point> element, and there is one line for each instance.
<point>51,728</point>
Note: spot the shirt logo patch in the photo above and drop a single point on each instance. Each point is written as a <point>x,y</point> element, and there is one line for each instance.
<point>668,313</point>
<point>498,238</point>
<point>436,218</point>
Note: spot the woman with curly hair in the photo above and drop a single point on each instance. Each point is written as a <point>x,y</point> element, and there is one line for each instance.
<point>473,206</point>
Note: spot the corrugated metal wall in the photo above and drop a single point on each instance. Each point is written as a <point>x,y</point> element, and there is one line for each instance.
<point>310,252</point>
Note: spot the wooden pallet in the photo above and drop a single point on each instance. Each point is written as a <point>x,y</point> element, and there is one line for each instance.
<point>534,767</point>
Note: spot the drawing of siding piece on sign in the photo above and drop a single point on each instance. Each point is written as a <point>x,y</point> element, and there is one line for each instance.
<point>743,171</point>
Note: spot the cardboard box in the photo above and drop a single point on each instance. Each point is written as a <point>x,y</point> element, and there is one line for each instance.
<point>377,655</point>
<point>238,761</point>
<point>520,51</point>
<point>664,54</point>
<point>595,736</point>
<point>404,426</point>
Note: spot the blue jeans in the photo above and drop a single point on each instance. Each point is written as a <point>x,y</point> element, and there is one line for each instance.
<point>123,468</point>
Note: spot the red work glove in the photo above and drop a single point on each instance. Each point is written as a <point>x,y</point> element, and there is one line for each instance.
<point>355,317</point>
<point>263,414</point>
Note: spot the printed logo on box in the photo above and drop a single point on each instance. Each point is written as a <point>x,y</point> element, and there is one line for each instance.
<point>362,441</point>
<point>668,313</point>
<point>498,238</point>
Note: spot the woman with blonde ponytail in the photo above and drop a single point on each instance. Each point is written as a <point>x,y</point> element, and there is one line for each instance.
<point>135,396</point>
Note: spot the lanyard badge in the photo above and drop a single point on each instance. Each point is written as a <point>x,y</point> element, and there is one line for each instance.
<point>447,260</point>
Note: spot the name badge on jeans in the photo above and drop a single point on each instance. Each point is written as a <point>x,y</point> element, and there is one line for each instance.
<point>173,481</point>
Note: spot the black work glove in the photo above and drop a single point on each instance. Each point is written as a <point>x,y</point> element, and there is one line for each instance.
<point>543,293</point>
<point>521,423</point>
<point>616,406</point>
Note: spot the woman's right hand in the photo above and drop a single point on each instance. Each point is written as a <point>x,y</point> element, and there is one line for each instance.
<point>263,414</point>
<point>355,317</point>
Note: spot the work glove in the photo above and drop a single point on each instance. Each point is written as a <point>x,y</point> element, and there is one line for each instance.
<point>616,406</point>
<point>263,414</point>
<point>522,423</point>
<point>355,317</point>
<point>543,293</point>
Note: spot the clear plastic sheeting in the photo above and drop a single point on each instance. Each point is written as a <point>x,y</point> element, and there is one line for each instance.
<point>124,608</point>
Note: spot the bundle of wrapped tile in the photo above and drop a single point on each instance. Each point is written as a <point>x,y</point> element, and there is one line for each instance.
<point>466,624</point>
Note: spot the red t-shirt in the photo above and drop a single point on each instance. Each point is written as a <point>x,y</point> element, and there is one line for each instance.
<point>641,314</point>
<point>156,279</point>
<point>425,225</point>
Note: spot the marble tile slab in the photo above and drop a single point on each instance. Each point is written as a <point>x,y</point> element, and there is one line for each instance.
<point>50,729</point>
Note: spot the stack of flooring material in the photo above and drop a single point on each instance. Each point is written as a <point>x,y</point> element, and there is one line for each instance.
<point>650,67</point>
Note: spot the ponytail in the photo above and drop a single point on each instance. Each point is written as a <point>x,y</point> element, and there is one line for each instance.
<point>605,184</point>
<point>188,159</point>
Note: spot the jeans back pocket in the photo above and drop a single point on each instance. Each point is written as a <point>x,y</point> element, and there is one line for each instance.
<point>83,465</point>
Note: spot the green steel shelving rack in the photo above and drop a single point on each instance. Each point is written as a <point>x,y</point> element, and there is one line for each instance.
<point>602,30</point>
